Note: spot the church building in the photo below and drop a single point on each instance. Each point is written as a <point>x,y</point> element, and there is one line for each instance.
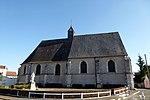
<point>79,60</point>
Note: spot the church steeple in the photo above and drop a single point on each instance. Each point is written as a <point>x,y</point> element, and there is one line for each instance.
<point>70,33</point>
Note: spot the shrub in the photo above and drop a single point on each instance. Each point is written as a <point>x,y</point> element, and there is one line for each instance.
<point>4,87</point>
<point>39,85</point>
<point>37,88</point>
<point>24,86</point>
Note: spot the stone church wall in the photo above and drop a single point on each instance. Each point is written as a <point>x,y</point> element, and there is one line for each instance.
<point>83,78</point>
<point>47,73</point>
<point>96,74</point>
<point>117,77</point>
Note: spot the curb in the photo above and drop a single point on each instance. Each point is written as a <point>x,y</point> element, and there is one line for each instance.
<point>4,98</point>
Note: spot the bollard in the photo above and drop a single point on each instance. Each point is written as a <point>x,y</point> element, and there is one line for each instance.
<point>142,96</point>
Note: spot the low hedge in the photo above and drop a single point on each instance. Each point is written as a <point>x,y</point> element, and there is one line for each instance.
<point>24,86</point>
<point>5,87</point>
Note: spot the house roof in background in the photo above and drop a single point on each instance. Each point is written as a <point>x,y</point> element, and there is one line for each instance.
<point>10,73</point>
<point>3,67</point>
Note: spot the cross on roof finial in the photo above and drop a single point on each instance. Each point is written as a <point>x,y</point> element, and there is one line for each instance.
<point>71,23</point>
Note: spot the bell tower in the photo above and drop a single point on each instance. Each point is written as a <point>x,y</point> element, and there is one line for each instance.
<point>70,33</point>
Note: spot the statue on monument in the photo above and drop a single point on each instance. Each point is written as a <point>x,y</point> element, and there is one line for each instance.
<point>32,77</point>
<point>32,84</point>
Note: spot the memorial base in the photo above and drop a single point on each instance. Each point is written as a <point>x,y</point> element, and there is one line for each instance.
<point>32,86</point>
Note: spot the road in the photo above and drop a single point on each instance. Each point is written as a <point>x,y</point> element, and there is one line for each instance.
<point>137,96</point>
<point>134,96</point>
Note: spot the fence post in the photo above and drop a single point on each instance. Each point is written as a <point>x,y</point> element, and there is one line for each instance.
<point>43,95</point>
<point>29,95</point>
<point>17,93</point>
<point>81,95</point>
<point>110,93</point>
<point>98,94</point>
<point>114,92</point>
<point>126,91</point>
<point>62,96</point>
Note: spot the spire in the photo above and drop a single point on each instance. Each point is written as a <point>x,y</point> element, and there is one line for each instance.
<point>70,33</point>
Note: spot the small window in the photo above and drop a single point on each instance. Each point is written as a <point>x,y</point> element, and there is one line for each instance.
<point>25,68</point>
<point>111,66</point>
<point>57,69</point>
<point>83,67</point>
<point>38,69</point>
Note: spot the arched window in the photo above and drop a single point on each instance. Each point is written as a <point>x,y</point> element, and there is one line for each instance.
<point>111,66</point>
<point>38,69</point>
<point>83,67</point>
<point>25,68</point>
<point>57,69</point>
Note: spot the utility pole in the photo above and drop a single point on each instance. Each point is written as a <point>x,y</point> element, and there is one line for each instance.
<point>146,64</point>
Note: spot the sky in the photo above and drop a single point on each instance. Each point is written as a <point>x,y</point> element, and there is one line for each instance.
<point>25,23</point>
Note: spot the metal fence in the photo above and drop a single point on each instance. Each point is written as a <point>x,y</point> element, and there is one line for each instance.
<point>121,91</point>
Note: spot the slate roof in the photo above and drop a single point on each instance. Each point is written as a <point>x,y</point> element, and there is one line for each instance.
<point>50,50</point>
<point>97,45</point>
<point>94,45</point>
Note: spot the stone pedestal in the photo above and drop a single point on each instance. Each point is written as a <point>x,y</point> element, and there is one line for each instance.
<point>32,86</point>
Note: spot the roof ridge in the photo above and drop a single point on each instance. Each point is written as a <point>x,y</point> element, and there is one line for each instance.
<point>90,34</point>
<point>55,39</point>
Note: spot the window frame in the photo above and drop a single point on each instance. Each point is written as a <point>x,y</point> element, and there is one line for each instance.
<point>38,69</point>
<point>25,70</point>
<point>111,66</point>
<point>57,70</point>
<point>84,68</point>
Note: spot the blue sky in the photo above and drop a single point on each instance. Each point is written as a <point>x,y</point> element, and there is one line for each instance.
<point>25,23</point>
